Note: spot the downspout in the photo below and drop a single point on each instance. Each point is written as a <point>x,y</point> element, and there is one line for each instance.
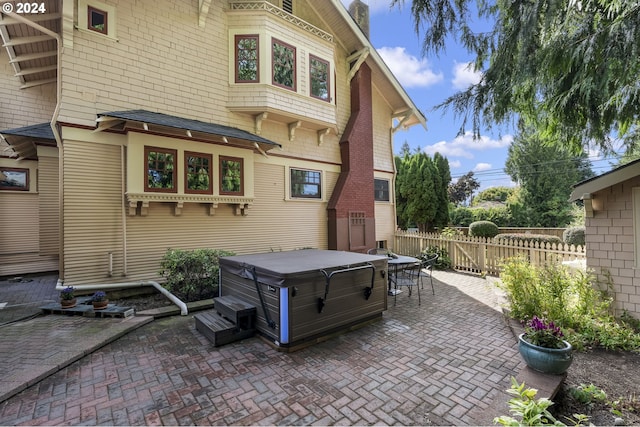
<point>183,307</point>
<point>124,213</point>
<point>56,133</point>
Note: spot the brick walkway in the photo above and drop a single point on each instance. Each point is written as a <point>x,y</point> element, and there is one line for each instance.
<point>435,364</point>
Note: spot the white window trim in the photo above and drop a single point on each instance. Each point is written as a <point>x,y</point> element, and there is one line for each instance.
<point>287,183</point>
<point>83,22</point>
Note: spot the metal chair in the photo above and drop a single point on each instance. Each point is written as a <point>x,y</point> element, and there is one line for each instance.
<point>410,278</point>
<point>426,269</point>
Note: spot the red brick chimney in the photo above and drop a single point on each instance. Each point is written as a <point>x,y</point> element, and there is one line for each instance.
<point>351,209</point>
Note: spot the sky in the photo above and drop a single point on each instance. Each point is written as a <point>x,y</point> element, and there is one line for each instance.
<point>429,81</point>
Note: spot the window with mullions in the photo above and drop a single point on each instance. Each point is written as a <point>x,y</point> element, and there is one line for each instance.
<point>284,64</point>
<point>97,20</point>
<point>381,190</point>
<point>306,184</point>
<point>231,176</point>
<point>319,75</point>
<point>160,167</point>
<point>247,59</point>
<point>198,173</point>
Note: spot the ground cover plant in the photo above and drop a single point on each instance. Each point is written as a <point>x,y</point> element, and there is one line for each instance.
<point>573,299</point>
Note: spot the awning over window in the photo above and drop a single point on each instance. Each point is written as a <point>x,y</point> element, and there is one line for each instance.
<point>188,127</point>
<point>22,141</point>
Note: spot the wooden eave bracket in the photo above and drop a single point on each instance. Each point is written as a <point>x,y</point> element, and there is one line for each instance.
<point>258,119</point>
<point>106,123</point>
<point>240,209</point>
<point>203,11</point>
<point>292,129</point>
<point>321,135</point>
<point>404,116</point>
<point>359,57</point>
<point>588,205</point>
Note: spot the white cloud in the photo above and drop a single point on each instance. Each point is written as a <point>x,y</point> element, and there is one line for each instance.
<point>464,76</point>
<point>482,167</point>
<point>455,164</point>
<point>408,69</point>
<point>463,145</point>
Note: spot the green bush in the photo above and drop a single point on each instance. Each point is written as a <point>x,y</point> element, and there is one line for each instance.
<point>461,216</point>
<point>573,300</point>
<point>536,238</point>
<point>574,236</point>
<point>192,275</point>
<point>483,229</point>
<point>443,262</point>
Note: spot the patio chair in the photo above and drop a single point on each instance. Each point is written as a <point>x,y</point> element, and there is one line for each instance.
<point>426,269</point>
<point>409,278</point>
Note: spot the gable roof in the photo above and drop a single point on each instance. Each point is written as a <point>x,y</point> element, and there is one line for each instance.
<point>159,119</point>
<point>606,180</point>
<point>351,37</point>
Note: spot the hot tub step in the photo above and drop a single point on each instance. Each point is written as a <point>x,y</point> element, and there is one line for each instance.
<point>219,330</point>
<point>236,310</point>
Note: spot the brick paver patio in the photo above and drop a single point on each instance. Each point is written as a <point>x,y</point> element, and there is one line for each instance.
<point>435,364</point>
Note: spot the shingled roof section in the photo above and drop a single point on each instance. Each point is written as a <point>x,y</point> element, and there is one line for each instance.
<point>39,131</point>
<point>160,119</point>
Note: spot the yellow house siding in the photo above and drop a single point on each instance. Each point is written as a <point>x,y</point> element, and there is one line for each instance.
<point>19,213</point>
<point>92,210</point>
<point>48,200</point>
<point>382,143</point>
<point>22,107</point>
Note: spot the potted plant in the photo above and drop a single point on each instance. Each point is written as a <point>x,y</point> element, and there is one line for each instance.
<point>543,348</point>
<point>99,300</point>
<point>67,297</point>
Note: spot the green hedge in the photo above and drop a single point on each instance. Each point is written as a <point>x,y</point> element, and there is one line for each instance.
<point>192,274</point>
<point>537,238</point>
<point>574,236</point>
<point>483,229</point>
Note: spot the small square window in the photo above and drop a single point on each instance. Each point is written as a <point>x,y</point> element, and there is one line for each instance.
<point>97,20</point>
<point>198,173</point>
<point>231,176</point>
<point>160,167</point>
<point>381,190</point>
<point>306,184</point>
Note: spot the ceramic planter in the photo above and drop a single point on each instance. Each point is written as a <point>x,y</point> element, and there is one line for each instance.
<point>100,305</point>
<point>68,303</point>
<point>546,360</point>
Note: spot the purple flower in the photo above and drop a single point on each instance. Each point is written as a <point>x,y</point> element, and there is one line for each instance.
<point>544,334</point>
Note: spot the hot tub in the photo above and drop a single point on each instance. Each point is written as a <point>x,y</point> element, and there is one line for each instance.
<point>303,296</point>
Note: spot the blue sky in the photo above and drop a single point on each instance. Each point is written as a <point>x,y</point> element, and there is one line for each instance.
<point>429,81</point>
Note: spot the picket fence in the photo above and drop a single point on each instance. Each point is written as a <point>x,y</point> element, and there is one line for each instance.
<point>482,255</point>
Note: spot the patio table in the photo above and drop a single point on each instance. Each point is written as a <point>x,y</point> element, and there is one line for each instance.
<point>399,263</point>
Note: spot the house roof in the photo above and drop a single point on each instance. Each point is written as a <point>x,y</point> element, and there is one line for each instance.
<point>39,131</point>
<point>22,140</point>
<point>188,125</point>
<point>606,180</point>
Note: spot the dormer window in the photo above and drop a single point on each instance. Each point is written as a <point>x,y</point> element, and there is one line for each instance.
<point>97,20</point>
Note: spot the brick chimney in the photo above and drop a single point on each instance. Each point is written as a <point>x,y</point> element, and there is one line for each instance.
<point>351,209</point>
<point>359,11</point>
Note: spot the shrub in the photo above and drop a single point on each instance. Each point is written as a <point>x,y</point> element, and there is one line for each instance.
<point>574,236</point>
<point>443,262</point>
<point>483,229</point>
<point>573,299</point>
<point>192,275</point>
<point>536,238</point>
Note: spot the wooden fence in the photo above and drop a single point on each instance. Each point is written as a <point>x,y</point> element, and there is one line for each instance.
<point>522,230</point>
<point>480,255</point>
